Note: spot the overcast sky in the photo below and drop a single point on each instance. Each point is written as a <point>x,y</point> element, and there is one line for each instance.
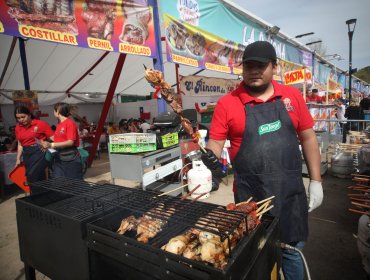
<point>324,17</point>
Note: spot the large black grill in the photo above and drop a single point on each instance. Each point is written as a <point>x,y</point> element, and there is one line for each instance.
<point>84,218</point>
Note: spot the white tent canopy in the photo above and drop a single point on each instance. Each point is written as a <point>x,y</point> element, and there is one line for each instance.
<point>53,68</point>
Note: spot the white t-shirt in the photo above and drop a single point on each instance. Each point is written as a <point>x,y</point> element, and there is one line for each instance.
<point>145,127</point>
<point>340,113</point>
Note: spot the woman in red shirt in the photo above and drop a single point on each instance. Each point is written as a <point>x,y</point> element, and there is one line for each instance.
<point>67,160</point>
<point>28,132</point>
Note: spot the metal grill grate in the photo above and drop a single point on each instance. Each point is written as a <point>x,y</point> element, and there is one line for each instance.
<point>185,213</point>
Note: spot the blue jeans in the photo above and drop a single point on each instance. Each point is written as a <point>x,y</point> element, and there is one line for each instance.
<point>293,267</point>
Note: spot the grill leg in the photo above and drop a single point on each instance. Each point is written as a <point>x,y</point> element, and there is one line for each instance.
<point>29,272</point>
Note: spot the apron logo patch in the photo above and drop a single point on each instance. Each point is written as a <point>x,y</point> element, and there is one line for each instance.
<point>269,127</point>
<point>288,104</point>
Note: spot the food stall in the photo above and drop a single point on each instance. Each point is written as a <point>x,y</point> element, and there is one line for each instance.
<point>105,228</point>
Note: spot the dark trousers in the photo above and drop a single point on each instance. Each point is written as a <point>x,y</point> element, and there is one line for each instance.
<point>344,128</point>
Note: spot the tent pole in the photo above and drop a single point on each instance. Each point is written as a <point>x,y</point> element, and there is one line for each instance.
<point>86,73</point>
<point>158,63</point>
<point>22,51</point>
<point>14,41</point>
<point>106,106</point>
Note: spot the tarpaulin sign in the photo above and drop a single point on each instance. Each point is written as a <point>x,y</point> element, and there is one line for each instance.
<point>117,25</point>
<point>205,86</point>
<point>190,45</point>
<point>297,76</point>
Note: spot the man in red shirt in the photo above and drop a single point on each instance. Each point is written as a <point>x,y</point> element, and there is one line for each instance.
<point>266,122</point>
<point>312,96</point>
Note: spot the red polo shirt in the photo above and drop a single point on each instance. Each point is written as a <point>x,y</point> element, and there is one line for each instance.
<point>67,130</point>
<point>229,118</point>
<point>313,98</point>
<point>38,129</point>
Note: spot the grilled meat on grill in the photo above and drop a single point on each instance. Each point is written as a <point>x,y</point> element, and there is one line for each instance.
<point>130,223</point>
<point>146,227</point>
<point>212,252</point>
<point>193,250</point>
<point>178,244</point>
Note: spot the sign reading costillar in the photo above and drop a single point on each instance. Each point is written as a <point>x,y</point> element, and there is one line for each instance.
<point>124,26</point>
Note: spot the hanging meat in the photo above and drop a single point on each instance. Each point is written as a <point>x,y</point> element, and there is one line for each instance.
<point>57,15</point>
<point>155,78</point>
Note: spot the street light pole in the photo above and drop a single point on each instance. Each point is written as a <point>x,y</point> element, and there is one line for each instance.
<point>351,23</point>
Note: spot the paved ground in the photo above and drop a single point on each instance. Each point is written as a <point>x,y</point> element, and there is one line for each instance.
<point>331,250</point>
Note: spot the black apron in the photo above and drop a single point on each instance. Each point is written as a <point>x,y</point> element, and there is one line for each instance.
<point>69,166</point>
<point>269,163</point>
<point>35,164</point>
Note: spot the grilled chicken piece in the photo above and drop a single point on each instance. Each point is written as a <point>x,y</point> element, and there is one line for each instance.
<point>212,252</point>
<point>127,224</point>
<point>205,236</point>
<point>148,227</point>
<point>177,244</point>
<point>193,250</point>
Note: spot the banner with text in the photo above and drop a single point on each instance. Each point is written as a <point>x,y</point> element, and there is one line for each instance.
<point>117,25</point>
<point>297,76</point>
<point>204,86</point>
<point>209,34</point>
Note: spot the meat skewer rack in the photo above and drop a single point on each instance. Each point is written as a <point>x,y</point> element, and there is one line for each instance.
<point>147,168</point>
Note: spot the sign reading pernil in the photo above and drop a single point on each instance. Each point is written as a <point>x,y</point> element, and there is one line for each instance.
<point>269,127</point>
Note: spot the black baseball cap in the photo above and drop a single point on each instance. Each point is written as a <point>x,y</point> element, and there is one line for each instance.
<point>261,51</point>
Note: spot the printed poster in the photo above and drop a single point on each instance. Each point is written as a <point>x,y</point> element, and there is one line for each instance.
<point>26,98</point>
<point>124,26</point>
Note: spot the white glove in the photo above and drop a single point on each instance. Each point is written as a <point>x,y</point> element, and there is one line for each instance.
<point>315,195</point>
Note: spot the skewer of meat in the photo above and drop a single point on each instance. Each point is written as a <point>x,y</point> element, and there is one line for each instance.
<point>155,78</point>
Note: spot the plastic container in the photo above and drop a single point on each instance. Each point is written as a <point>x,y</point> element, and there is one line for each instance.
<point>18,177</point>
<point>132,138</point>
<point>132,142</point>
<point>132,148</point>
<point>200,175</point>
<point>167,140</point>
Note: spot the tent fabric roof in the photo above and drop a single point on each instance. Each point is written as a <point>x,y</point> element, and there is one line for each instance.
<point>53,68</point>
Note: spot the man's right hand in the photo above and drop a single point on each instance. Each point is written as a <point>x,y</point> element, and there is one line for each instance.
<point>210,160</point>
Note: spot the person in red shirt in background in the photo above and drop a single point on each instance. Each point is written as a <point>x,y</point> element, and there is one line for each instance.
<point>313,97</point>
<point>265,123</point>
<point>28,131</point>
<point>67,160</point>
